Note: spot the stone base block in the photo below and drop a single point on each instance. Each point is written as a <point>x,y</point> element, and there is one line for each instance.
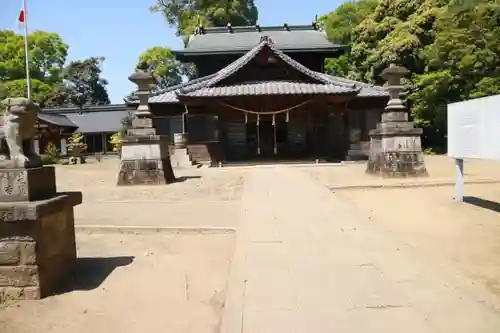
<point>37,245</point>
<point>180,158</point>
<point>355,155</point>
<point>27,184</point>
<point>146,172</point>
<point>397,164</point>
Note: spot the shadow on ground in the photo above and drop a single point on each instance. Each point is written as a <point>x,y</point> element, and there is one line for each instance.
<point>90,273</point>
<point>184,178</point>
<point>483,203</point>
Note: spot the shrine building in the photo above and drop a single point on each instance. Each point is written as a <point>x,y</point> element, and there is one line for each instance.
<point>261,94</point>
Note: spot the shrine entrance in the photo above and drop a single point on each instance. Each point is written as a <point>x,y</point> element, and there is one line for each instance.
<point>267,136</point>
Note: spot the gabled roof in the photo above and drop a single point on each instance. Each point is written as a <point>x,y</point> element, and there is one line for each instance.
<point>265,42</point>
<point>365,89</point>
<point>237,40</point>
<point>90,118</point>
<point>271,88</point>
<point>337,85</point>
<point>56,119</point>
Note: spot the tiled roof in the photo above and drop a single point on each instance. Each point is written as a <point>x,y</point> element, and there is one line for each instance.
<point>85,108</point>
<point>170,94</point>
<point>243,39</point>
<point>235,66</point>
<point>95,122</point>
<point>90,118</point>
<point>366,89</point>
<point>271,88</point>
<point>214,80</point>
<point>56,119</point>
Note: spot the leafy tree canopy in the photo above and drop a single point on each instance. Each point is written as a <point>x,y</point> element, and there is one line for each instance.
<point>452,48</point>
<point>52,83</point>
<point>185,14</point>
<point>161,62</point>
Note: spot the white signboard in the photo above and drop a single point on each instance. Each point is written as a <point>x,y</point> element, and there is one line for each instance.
<point>473,132</point>
<point>474,128</point>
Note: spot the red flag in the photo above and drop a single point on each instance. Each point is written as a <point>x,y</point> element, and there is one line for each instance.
<point>20,19</point>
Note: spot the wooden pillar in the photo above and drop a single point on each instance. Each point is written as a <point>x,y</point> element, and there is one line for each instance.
<point>104,143</point>
<point>258,134</point>
<point>64,146</point>
<point>354,118</point>
<point>36,145</point>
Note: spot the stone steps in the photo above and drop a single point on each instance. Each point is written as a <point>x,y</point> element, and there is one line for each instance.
<point>180,157</point>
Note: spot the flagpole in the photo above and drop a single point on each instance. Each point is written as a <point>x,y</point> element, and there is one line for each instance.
<point>26,50</point>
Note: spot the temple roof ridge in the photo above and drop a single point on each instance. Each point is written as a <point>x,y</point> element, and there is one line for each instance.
<point>250,28</point>
<point>236,65</point>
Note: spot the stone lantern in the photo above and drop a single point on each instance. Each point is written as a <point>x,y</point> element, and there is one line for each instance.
<point>395,145</point>
<point>145,155</point>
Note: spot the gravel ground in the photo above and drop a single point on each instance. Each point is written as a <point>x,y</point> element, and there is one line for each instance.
<point>134,283</point>
<point>441,169</point>
<point>203,197</point>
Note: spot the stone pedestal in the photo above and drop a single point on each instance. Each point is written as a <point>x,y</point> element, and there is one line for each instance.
<point>355,153</point>
<point>145,157</point>
<point>37,232</point>
<point>395,145</point>
<point>180,158</point>
<point>145,160</point>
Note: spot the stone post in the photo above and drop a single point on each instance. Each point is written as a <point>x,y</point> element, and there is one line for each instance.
<point>395,145</point>
<point>354,153</point>
<point>145,156</point>
<point>37,231</point>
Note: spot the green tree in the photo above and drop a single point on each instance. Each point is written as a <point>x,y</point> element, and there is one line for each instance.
<point>451,47</point>
<point>339,25</point>
<point>47,56</point>
<point>185,14</point>
<point>52,83</point>
<point>83,83</point>
<point>161,62</point>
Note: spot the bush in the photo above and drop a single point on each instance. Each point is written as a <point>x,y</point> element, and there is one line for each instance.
<point>116,142</point>
<point>50,154</point>
<point>48,160</point>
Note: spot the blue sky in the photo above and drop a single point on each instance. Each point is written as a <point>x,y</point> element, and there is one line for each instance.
<point>120,30</point>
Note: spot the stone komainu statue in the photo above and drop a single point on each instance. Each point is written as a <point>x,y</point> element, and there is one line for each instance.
<point>18,126</point>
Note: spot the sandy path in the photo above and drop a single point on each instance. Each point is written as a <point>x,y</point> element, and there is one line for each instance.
<point>307,261</point>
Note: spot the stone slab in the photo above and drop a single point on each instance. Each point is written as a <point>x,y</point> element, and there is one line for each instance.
<point>142,123</point>
<point>393,129</point>
<point>146,172</point>
<point>27,184</point>
<point>180,158</point>
<point>141,131</point>
<point>38,248</point>
<point>145,138</point>
<point>397,164</point>
<point>34,210</point>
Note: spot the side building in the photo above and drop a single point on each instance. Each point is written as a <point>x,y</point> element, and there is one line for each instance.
<point>96,123</point>
<point>261,93</point>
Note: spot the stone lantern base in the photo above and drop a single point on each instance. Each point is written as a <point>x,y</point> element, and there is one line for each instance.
<point>145,160</point>
<point>37,233</point>
<point>396,152</point>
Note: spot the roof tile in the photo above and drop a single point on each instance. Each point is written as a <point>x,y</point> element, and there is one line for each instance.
<point>270,88</point>
<point>243,39</point>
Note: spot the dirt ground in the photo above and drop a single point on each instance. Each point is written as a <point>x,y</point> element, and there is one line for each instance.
<point>175,282</point>
<point>463,237</point>
<point>441,170</point>
<point>134,283</point>
<point>204,197</point>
